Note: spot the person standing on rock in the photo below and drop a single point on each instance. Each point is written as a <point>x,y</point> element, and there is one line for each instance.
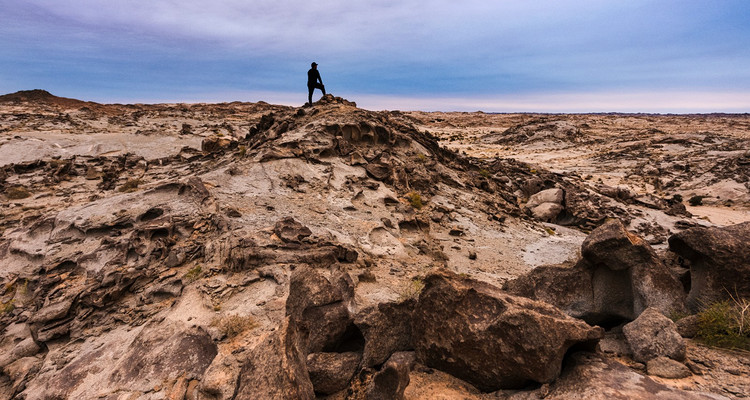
<point>314,82</point>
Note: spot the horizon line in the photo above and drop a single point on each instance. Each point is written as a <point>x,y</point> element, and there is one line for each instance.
<point>663,102</point>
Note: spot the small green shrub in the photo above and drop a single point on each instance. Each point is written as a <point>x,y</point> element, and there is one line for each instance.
<point>193,274</point>
<point>726,324</point>
<point>484,173</point>
<point>421,158</point>
<point>415,200</point>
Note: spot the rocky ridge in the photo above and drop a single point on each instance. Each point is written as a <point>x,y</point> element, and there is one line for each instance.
<point>308,252</point>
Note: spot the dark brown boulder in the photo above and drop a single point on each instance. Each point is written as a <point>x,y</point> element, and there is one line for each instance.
<point>276,369</point>
<point>391,381</point>
<point>379,171</point>
<point>653,335</point>
<point>568,288</point>
<point>615,247</point>
<point>321,308</point>
<point>489,338</point>
<point>331,372</point>
<point>386,328</point>
<point>719,260</point>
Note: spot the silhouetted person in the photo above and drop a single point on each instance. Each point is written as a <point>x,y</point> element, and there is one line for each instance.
<point>313,77</point>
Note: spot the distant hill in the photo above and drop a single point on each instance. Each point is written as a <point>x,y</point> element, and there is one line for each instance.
<point>40,96</point>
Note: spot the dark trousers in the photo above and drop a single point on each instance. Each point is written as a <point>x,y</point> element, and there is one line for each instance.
<point>311,87</point>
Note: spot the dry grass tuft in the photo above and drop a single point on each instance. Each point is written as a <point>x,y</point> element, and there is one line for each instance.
<point>415,200</point>
<point>232,325</point>
<point>411,290</point>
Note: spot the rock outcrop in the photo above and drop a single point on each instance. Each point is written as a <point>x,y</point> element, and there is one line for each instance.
<point>719,261</point>
<point>387,328</point>
<point>332,372</point>
<point>489,338</point>
<point>653,335</point>
<point>547,204</point>
<point>277,368</point>
<point>617,278</point>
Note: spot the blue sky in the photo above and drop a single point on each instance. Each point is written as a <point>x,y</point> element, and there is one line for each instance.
<point>502,56</point>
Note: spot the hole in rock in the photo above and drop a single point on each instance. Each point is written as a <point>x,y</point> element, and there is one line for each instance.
<point>151,213</point>
<point>64,266</point>
<point>411,225</point>
<point>608,322</point>
<point>159,233</point>
<point>351,340</point>
<point>390,201</point>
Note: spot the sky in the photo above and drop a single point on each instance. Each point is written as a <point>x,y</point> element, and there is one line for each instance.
<point>659,56</point>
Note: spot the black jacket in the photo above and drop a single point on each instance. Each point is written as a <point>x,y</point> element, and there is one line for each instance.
<point>313,76</point>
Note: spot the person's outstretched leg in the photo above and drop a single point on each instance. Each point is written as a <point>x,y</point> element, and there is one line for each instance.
<point>310,90</point>
<point>323,88</point>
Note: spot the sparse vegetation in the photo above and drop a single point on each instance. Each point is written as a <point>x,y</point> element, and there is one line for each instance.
<point>17,193</point>
<point>233,324</point>
<point>129,186</point>
<point>193,274</point>
<point>415,200</point>
<point>677,315</point>
<point>726,324</point>
<point>484,173</point>
<point>7,307</point>
<point>421,158</point>
<point>411,290</point>
<point>242,149</point>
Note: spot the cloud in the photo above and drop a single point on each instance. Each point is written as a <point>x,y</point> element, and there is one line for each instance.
<point>389,48</point>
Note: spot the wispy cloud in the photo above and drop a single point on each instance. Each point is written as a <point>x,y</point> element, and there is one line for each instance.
<point>394,49</point>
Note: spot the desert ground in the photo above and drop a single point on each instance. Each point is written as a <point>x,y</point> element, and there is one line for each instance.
<point>250,250</point>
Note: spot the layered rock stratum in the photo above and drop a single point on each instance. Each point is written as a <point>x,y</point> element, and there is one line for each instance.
<point>256,251</point>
